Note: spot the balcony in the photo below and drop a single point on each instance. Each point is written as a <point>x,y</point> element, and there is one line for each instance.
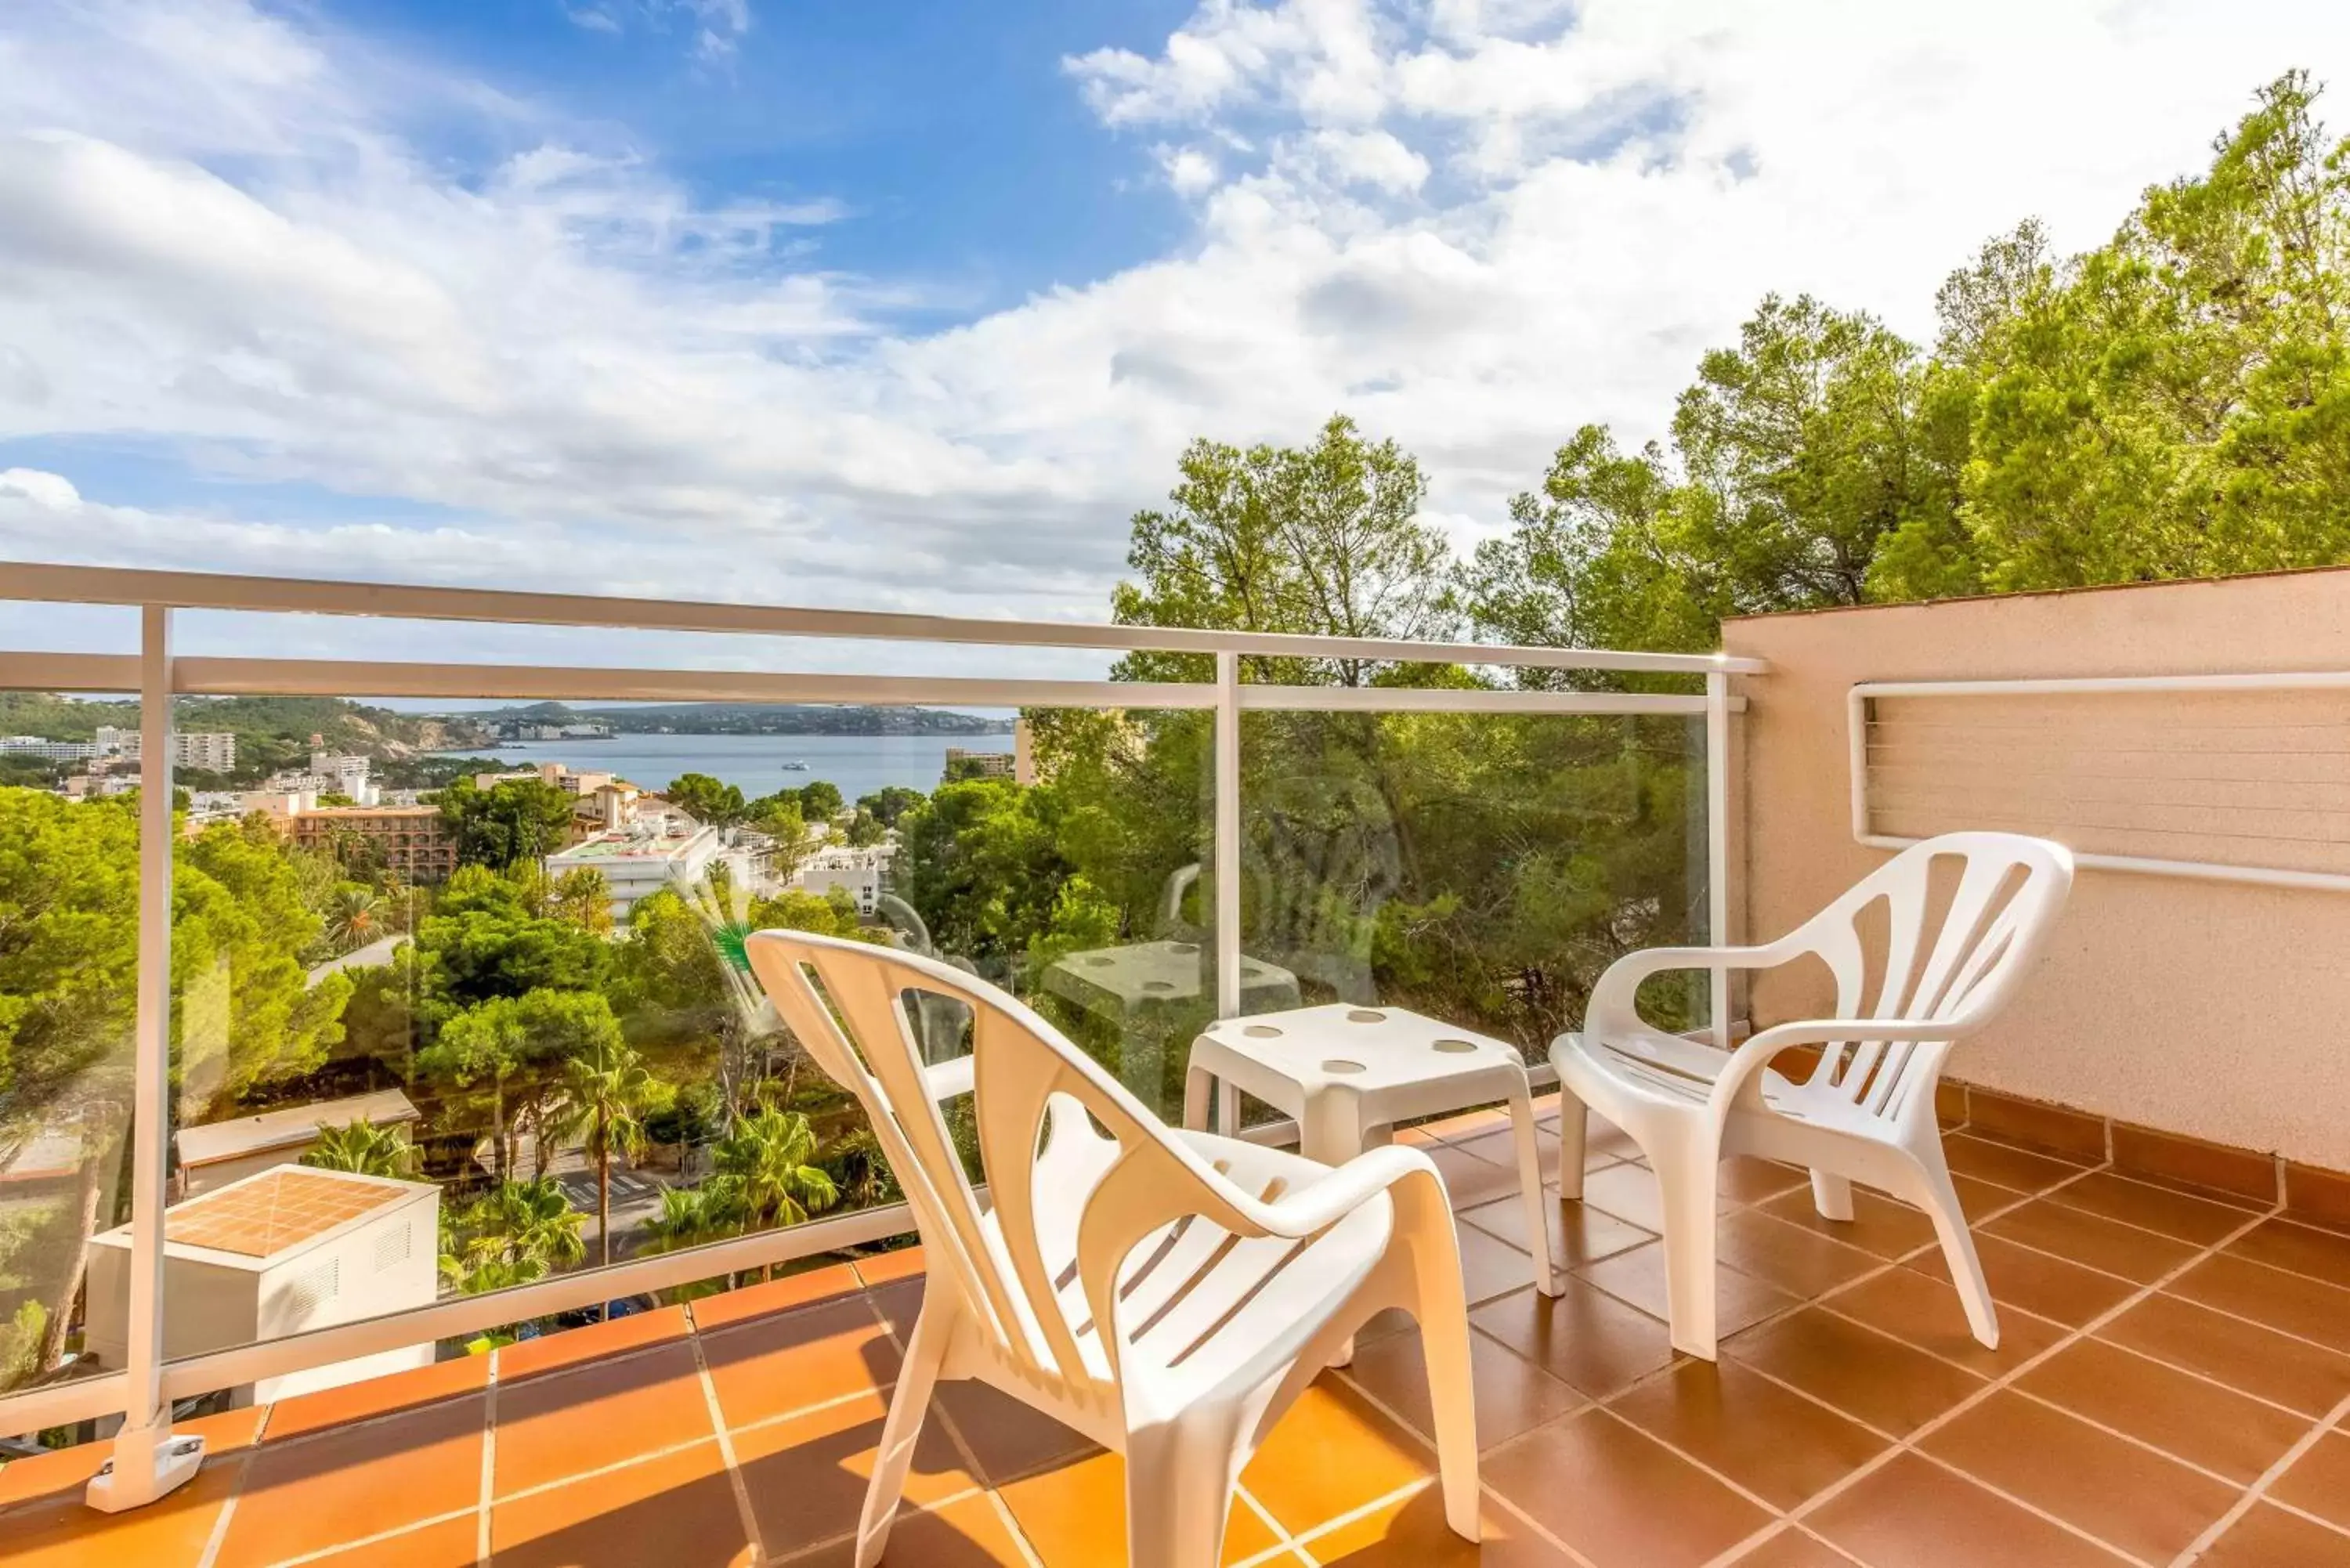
<point>2160,1206</point>
<point>2169,1363</point>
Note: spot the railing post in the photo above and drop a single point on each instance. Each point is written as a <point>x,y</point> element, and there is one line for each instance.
<point>148,1460</point>
<point>1228,838</point>
<point>1717,844</point>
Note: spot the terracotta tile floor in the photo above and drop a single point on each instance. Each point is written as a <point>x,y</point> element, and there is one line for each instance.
<point>2173,1386</point>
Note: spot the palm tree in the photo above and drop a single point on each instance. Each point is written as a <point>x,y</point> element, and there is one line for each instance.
<point>691,1216</point>
<point>772,1154</point>
<point>583,897</point>
<point>517,1233</point>
<point>354,917</point>
<point>363,1147</point>
<point>602,1096</point>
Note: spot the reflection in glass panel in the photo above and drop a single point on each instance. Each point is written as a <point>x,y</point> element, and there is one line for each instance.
<point>1478,868</point>
<point>68,962</point>
<point>460,999</point>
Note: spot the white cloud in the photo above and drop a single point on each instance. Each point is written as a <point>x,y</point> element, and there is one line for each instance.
<point>1472,223</point>
<point>1372,158</point>
<point>1189,169</point>
<point>48,491</point>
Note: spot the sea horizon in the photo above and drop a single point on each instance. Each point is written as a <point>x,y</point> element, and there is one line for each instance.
<point>856,765</point>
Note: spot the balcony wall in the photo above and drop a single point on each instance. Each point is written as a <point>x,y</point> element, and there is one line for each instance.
<point>2208,1008</point>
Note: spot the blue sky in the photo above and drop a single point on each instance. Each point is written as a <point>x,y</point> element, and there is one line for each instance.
<point>960,145</point>
<point>912,305</point>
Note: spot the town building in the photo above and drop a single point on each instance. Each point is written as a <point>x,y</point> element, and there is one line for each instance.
<point>639,861</point>
<point>601,802</point>
<point>411,842</point>
<point>217,1153</point>
<point>48,750</point>
<point>213,751</point>
<point>862,873</point>
<point>281,1252</point>
<point>962,763</point>
<point>351,775</point>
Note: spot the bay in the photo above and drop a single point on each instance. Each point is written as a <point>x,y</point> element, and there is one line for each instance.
<point>856,765</point>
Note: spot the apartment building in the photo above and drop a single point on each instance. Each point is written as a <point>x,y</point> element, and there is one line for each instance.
<point>409,841</point>
<point>215,751</point>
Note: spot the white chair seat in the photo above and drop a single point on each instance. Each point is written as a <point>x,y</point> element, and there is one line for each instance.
<point>1211,1314</point>
<point>1866,1111</point>
<point>1169,1294</point>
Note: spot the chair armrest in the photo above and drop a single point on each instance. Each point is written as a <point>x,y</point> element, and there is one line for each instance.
<point>1756,1053</point>
<point>1613,996</point>
<point>1322,1203</point>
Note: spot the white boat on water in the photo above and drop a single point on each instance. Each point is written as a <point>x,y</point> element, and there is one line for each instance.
<point>795,767</point>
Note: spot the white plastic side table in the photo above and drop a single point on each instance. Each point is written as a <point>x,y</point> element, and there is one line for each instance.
<point>1349,1074</point>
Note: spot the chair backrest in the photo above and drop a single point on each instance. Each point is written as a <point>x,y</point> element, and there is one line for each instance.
<point>1037,1098</point>
<point>2010,890</point>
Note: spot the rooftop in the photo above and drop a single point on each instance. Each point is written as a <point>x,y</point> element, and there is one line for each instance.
<point>2171,1379</point>
<point>216,1141</point>
<point>609,847</point>
<point>276,1212</point>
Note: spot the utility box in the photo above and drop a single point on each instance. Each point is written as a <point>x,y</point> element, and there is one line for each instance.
<point>280,1252</point>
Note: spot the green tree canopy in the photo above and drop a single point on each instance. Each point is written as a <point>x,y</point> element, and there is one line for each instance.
<point>2174,403</point>
<point>706,799</point>
<point>1323,539</point>
<point>514,820</point>
<point>890,802</point>
<point>820,800</point>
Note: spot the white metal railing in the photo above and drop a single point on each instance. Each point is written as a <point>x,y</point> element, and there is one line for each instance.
<point>143,1391</point>
<point>1859,721</point>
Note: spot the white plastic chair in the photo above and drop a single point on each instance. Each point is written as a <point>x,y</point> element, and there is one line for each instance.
<point>1168,1293</point>
<point>1866,1113</point>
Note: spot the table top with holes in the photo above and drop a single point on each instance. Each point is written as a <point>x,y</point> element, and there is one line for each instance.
<point>1142,974</point>
<point>1400,1064</point>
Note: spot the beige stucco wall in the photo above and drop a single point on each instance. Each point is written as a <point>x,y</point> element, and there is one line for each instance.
<point>2212,1008</point>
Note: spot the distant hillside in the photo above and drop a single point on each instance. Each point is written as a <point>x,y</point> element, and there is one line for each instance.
<point>270,731</point>
<point>753,719</point>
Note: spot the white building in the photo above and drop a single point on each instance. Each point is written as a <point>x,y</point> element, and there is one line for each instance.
<point>347,775</point>
<point>215,751</point>
<point>860,872</point>
<point>218,1153</point>
<point>46,750</point>
<point>280,1252</point>
<point>641,860</point>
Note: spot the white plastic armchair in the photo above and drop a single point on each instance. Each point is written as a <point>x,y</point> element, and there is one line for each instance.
<point>1866,1111</point>
<point>1168,1293</point>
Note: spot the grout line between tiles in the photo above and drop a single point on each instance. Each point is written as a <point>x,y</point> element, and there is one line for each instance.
<point>1484,1488</point>
<point>1303,1544</point>
<point>734,1480</point>
<point>489,1462</point>
<point>2300,1512</point>
<point>1927,1428</point>
<point>971,1466</point>
<point>2260,1483</point>
<point>218,1532</point>
<point>411,1528</point>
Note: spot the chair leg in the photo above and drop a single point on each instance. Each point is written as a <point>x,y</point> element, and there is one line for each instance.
<point>1178,1490</point>
<point>909,1405</point>
<point>1530,1191</point>
<point>1687,1186</point>
<point>1197,1082</point>
<point>1440,1303</point>
<point>1959,1250</point>
<point>1573,1127</point>
<point>1832,1195</point>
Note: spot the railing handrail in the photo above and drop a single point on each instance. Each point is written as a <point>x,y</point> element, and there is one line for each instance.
<point>213,677</point>
<point>38,582</point>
